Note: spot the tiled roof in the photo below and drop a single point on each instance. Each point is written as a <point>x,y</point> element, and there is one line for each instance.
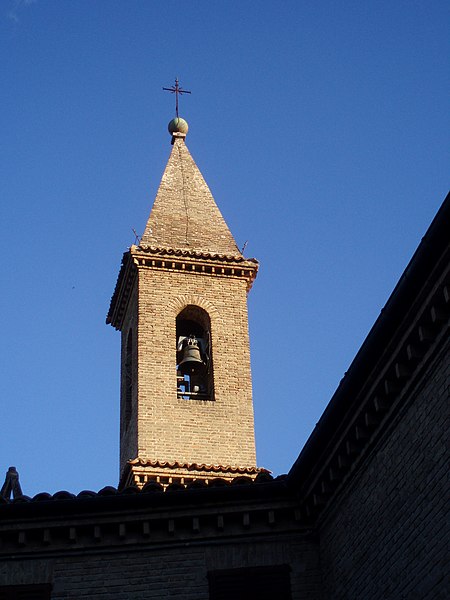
<point>62,522</point>
<point>240,481</point>
<point>196,254</point>
<point>197,467</point>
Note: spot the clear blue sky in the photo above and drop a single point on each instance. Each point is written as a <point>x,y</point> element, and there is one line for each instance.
<point>322,130</point>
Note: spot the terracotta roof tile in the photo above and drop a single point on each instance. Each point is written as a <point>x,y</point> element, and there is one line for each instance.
<point>197,467</point>
<point>191,253</point>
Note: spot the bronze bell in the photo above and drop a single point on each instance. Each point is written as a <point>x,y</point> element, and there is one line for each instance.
<point>192,362</point>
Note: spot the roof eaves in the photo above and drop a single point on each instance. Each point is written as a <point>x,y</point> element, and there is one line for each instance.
<point>120,295</point>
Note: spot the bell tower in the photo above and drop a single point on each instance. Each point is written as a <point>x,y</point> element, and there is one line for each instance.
<point>180,303</point>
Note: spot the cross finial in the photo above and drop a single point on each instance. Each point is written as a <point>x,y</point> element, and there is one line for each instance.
<point>177,90</point>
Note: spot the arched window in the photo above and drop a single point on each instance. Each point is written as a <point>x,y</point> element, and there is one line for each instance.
<point>194,358</point>
<point>128,379</point>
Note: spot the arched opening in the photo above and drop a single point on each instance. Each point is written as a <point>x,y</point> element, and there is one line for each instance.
<point>194,357</point>
<point>128,383</point>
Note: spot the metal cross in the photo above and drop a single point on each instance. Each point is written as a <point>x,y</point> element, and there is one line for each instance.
<point>177,90</point>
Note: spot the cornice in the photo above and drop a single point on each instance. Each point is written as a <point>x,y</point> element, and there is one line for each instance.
<point>141,472</point>
<point>174,260</point>
<point>111,520</point>
<point>194,262</point>
<point>187,252</point>
<point>209,468</point>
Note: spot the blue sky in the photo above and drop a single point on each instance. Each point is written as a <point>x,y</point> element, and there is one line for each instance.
<point>321,129</point>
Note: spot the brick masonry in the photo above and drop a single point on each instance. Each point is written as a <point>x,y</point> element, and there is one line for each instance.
<point>378,530</point>
<point>128,428</point>
<point>177,572</point>
<point>388,536</point>
<point>163,426</point>
<point>184,214</point>
<point>170,428</point>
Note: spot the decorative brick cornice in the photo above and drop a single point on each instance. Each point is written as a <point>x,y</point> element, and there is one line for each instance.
<point>107,521</point>
<point>140,472</point>
<point>188,253</point>
<point>198,467</point>
<point>200,263</point>
<point>182,261</point>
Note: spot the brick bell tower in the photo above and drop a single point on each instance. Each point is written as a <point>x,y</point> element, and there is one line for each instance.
<point>180,303</point>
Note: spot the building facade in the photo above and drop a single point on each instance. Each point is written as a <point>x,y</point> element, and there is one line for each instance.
<point>361,514</point>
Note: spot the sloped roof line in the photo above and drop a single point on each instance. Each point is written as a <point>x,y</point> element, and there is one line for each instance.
<point>423,282</point>
<point>185,214</point>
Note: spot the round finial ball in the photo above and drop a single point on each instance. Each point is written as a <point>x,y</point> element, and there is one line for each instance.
<point>178,125</point>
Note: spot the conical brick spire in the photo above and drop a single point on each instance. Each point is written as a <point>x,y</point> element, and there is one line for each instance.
<point>184,214</point>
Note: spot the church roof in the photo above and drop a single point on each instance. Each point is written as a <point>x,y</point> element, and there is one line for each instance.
<point>240,486</point>
<point>184,214</point>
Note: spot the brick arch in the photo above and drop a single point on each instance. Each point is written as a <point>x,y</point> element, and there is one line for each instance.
<point>179,303</point>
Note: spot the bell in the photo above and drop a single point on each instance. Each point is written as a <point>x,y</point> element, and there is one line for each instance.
<point>191,363</point>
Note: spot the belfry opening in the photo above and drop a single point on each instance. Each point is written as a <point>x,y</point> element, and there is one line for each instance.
<point>194,356</point>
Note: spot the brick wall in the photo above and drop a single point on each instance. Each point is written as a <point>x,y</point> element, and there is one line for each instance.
<point>386,538</point>
<point>128,431</point>
<point>155,573</point>
<point>170,428</point>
